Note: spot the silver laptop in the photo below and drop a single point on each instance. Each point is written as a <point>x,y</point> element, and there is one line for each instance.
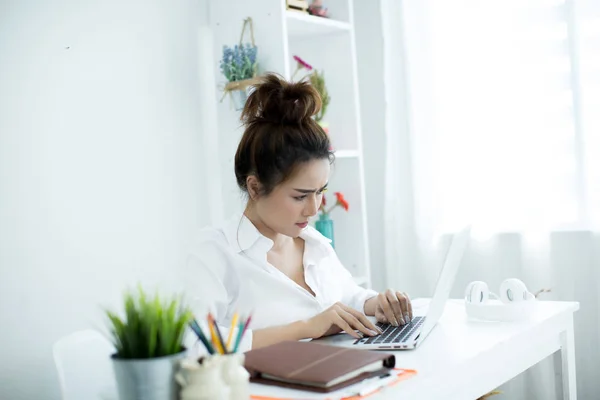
<point>425,319</point>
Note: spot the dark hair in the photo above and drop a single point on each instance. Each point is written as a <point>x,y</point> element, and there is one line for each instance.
<point>280,133</point>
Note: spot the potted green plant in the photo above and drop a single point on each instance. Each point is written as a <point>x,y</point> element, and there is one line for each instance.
<point>317,79</point>
<point>149,346</point>
<point>240,67</point>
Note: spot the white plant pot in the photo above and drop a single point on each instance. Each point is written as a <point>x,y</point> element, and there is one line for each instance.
<point>239,98</point>
<point>148,379</point>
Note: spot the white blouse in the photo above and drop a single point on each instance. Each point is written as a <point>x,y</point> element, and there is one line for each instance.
<point>228,272</point>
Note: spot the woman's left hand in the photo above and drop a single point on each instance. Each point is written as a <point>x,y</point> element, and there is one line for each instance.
<point>393,308</point>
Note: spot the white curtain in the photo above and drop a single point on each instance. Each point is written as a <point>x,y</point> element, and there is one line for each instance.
<point>493,118</point>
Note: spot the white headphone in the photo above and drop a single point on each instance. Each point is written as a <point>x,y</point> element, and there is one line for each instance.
<point>515,302</point>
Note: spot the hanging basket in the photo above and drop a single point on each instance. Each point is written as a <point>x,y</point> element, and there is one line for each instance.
<point>240,90</point>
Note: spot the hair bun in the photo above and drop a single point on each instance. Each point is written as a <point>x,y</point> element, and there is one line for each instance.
<point>276,100</point>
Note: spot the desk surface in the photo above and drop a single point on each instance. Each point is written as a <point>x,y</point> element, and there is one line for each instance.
<point>460,351</point>
<point>464,359</point>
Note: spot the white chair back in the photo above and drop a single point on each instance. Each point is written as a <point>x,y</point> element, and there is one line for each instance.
<point>84,366</point>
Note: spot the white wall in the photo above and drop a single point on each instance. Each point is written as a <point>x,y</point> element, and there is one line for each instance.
<point>101,180</point>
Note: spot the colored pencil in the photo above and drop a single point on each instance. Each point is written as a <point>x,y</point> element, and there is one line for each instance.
<point>238,337</point>
<point>242,333</point>
<point>198,331</point>
<point>230,336</point>
<point>220,338</point>
<point>213,336</point>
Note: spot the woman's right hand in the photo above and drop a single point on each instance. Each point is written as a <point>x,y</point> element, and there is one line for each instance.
<point>340,317</point>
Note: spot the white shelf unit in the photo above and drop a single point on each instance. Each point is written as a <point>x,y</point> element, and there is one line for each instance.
<point>300,24</point>
<point>328,44</point>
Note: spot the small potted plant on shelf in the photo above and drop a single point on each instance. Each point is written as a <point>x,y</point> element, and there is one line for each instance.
<point>318,9</point>
<point>149,346</point>
<point>240,67</point>
<point>325,224</point>
<point>301,65</point>
<point>317,80</point>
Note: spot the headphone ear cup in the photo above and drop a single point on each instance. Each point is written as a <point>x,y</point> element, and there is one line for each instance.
<point>477,293</point>
<point>513,290</point>
<point>529,296</point>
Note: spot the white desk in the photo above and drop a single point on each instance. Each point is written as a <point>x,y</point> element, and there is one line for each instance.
<point>463,359</point>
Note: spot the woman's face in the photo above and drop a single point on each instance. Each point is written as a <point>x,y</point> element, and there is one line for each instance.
<point>287,209</point>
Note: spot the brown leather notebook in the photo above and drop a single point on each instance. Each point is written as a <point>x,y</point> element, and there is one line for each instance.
<point>314,366</point>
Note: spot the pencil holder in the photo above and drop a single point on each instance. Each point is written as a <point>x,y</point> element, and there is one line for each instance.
<point>235,376</point>
<point>202,381</point>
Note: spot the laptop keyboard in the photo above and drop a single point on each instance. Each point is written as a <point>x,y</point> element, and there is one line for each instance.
<point>394,334</point>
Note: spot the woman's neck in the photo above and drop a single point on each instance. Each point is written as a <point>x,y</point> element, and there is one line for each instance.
<point>280,241</point>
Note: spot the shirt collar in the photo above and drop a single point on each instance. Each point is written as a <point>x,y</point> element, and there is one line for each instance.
<point>243,235</point>
<point>317,246</point>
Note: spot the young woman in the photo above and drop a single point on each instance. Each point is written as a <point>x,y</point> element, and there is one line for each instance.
<point>268,261</point>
